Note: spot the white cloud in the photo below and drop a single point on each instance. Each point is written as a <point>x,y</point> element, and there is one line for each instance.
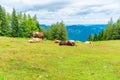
<point>70,11</point>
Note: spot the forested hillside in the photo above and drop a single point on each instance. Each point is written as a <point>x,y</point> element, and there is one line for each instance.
<point>111,32</point>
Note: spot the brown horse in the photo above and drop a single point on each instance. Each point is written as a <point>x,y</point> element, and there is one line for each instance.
<point>69,43</point>
<point>38,35</point>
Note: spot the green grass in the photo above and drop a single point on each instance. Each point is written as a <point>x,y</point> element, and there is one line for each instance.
<point>20,60</point>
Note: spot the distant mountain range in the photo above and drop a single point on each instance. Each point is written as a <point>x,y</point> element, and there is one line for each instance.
<point>81,32</point>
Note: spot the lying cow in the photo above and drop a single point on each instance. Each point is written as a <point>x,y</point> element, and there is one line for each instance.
<point>56,41</point>
<point>69,43</point>
<point>88,42</point>
<point>34,40</point>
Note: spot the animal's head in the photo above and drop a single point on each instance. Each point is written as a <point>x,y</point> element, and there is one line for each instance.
<point>35,34</point>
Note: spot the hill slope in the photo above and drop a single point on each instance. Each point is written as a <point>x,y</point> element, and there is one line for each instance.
<point>20,60</point>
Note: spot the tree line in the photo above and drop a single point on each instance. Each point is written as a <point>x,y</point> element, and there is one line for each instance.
<point>111,32</point>
<point>22,25</point>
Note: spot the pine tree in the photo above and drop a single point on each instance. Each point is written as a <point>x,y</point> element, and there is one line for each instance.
<point>116,30</point>
<point>63,32</point>
<point>95,38</point>
<point>47,34</point>
<point>90,38</point>
<point>54,32</point>
<point>4,27</point>
<point>14,24</point>
<point>9,30</point>
<point>23,27</point>
<point>40,29</point>
<point>109,30</point>
<point>101,35</point>
<point>31,26</point>
<point>58,31</point>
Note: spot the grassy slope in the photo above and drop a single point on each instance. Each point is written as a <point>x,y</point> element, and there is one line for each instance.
<point>20,60</point>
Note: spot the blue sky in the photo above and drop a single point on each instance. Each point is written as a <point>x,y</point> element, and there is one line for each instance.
<point>70,11</point>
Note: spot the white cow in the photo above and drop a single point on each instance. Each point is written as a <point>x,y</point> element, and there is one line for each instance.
<point>72,41</point>
<point>88,42</point>
<point>34,40</point>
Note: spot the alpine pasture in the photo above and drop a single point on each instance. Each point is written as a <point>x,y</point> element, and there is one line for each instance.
<point>21,60</point>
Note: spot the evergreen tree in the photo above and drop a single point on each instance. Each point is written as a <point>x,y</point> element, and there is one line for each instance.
<point>90,38</point>
<point>19,16</point>
<point>4,27</point>
<point>14,24</point>
<point>109,30</point>
<point>101,35</point>
<point>23,27</point>
<point>47,33</point>
<point>54,32</point>
<point>62,32</point>
<point>116,30</point>
<point>9,30</point>
<point>95,38</point>
<point>40,29</point>
<point>58,31</point>
<point>31,26</point>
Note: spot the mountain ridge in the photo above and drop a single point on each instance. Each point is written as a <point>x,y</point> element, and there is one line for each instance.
<point>79,31</point>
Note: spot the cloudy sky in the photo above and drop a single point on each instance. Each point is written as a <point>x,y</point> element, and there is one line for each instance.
<point>70,11</point>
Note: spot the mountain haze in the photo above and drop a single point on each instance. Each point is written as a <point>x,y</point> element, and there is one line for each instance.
<point>81,32</point>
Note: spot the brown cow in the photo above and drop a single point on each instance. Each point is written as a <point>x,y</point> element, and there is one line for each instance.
<point>69,43</point>
<point>38,35</point>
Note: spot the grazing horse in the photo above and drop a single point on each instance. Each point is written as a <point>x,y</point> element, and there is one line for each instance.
<point>38,35</point>
<point>69,43</point>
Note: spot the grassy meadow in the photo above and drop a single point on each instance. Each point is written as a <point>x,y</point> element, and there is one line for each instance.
<point>20,60</point>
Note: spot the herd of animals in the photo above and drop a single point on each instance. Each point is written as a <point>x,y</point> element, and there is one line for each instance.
<point>39,36</point>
